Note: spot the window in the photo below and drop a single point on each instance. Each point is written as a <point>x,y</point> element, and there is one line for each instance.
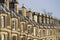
<point>14,25</point>
<point>2,37</point>
<point>50,32</point>
<point>58,38</point>
<point>42,18</point>
<point>58,30</point>
<point>35,31</point>
<point>23,38</point>
<point>41,39</point>
<point>50,39</point>
<point>47,32</point>
<point>11,6</point>
<point>2,21</point>
<point>14,37</point>
<point>40,33</point>
<point>22,27</point>
<point>29,39</point>
<point>51,21</point>
<point>43,32</point>
<point>29,29</point>
<point>47,20</point>
<point>35,18</point>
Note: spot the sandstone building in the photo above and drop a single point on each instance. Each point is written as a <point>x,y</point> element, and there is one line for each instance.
<point>23,24</point>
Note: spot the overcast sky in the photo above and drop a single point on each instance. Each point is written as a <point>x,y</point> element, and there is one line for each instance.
<point>39,5</point>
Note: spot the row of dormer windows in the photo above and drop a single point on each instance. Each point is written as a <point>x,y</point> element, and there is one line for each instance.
<point>43,20</point>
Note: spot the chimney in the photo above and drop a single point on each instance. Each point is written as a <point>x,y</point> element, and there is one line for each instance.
<point>29,14</point>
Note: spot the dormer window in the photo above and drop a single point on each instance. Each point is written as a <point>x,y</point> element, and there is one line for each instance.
<point>42,19</point>
<point>11,6</point>
<point>47,20</point>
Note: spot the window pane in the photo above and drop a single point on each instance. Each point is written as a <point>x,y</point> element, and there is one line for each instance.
<point>14,37</point>
<point>13,25</point>
<point>29,29</point>
<point>50,32</point>
<point>22,27</point>
<point>2,21</point>
<point>43,32</point>
<point>35,31</point>
<point>2,37</point>
<point>23,38</point>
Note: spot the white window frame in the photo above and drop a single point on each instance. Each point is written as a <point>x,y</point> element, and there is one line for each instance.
<point>2,37</point>
<point>47,32</point>
<point>35,31</point>
<point>29,28</point>
<point>22,27</point>
<point>2,21</point>
<point>14,25</point>
<point>47,20</point>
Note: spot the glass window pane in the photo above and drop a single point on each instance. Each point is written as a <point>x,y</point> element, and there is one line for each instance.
<point>2,37</point>
<point>29,29</point>
<point>2,21</point>
<point>13,25</point>
<point>22,27</point>
<point>14,37</point>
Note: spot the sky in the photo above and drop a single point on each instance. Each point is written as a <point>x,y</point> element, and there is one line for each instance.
<point>52,6</point>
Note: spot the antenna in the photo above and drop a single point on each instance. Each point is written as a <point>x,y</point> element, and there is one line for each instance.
<point>50,13</point>
<point>30,9</point>
<point>23,4</point>
<point>44,11</point>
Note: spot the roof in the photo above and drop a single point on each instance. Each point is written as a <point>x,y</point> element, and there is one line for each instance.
<point>15,14</point>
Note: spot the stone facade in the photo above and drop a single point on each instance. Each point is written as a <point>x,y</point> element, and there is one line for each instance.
<point>20,24</point>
